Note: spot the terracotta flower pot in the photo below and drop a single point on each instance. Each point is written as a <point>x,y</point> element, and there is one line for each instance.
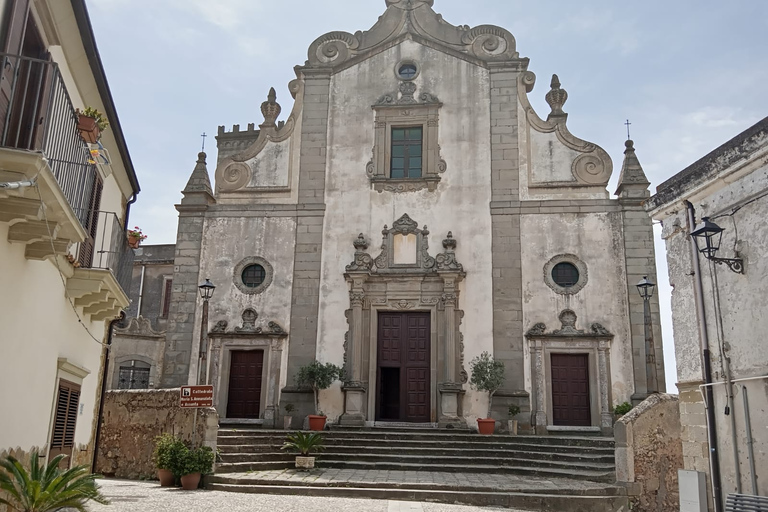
<point>287,422</point>
<point>89,129</point>
<point>190,482</point>
<point>134,241</point>
<point>166,477</point>
<point>486,426</point>
<point>305,462</point>
<point>316,422</point>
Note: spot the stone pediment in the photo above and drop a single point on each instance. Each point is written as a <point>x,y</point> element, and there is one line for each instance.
<point>415,18</point>
<point>568,329</point>
<point>248,327</point>
<point>139,327</point>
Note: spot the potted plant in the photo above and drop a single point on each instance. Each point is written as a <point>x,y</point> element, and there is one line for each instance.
<point>304,443</point>
<point>317,376</point>
<point>487,375</point>
<point>168,448</point>
<point>287,419</point>
<point>47,488</point>
<point>91,123</point>
<point>135,237</point>
<point>193,463</point>
<point>513,411</point>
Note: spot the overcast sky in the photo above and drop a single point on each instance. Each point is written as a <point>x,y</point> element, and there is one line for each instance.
<point>689,74</point>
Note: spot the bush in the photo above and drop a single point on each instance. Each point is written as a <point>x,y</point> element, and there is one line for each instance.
<point>168,450</point>
<point>196,460</point>
<point>622,409</point>
<point>487,375</point>
<point>304,443</point>
<point>47,488</point>
<point>318,376</point>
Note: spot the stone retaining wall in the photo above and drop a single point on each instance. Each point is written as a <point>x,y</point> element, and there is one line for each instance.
<point>649,452</point>
<point>132,420</point>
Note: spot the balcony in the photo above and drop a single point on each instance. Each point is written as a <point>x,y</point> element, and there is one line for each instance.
<point>39,142</point>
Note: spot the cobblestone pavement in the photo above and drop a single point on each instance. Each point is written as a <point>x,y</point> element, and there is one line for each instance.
<point>133,496</point>
<point>440,480</point>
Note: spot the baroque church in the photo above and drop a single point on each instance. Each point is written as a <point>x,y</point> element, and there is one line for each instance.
<point>412,212</point>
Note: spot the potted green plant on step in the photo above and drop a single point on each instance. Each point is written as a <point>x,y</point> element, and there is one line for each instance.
<point>622,409</point>
<point>168,448</point>
<point>91,124</point>
<point>513,411</point>
<point>488,376</point>
<point>47,488</point>
<point>287,419</point>
<point>304,443</point>
<point>193,463</point>
<point>317,376</point>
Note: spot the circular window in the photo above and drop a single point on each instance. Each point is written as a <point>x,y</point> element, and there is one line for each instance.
<point>406,70</point>
<point>253,275</point>
<point>565,274</point>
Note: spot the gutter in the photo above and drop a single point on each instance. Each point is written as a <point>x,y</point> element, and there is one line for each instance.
<point>94,59</point>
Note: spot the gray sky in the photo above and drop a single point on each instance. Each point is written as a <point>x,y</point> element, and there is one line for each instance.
<point>689,74</point>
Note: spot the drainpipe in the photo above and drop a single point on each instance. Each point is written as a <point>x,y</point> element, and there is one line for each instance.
<point>714,457</point>
<point>134,197</point>
<point>103,390</point>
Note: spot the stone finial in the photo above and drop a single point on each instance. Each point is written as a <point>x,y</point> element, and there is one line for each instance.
<point>360,244</point>
<point>632,181</point>
<point>270,109</point>
<point>449,243</point>
<point>556,97</point>
<point>199,181</point>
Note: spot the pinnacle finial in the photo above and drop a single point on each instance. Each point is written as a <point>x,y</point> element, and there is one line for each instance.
<point>270,109</point>
<point>201,157</point>
<point>556,97</point>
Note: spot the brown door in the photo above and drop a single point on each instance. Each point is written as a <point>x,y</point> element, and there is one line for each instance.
<point>65,420</point>
<point>570,390</point>
<point>403,367</point>
<point>245,384</point>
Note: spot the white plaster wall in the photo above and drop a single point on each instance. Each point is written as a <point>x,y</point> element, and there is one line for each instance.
<point>270,167</point>
<point>460,203</point>
<point>226,242</point>
<point>38,327</point>
<point>742,301</point>
<point>551,161</point>
<point>596,239</point>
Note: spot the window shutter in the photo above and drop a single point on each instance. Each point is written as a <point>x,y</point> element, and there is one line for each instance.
<point>17,23</point>
<point>167,298</point>
<point>65,420</point>
<point>85,256</point>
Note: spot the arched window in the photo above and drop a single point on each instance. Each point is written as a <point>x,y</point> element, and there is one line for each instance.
<point>133,375</point>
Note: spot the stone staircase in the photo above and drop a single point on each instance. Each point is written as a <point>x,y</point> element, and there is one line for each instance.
<point>563,473</point>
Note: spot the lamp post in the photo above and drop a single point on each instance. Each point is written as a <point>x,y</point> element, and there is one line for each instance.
<point>646,289</point>
<point>206,292</point>
<point>711,234</point>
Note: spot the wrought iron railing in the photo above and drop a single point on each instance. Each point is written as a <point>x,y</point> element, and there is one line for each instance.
<point>37,114</point>
<point>107,247</point>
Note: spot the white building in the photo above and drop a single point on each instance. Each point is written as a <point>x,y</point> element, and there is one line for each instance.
<point>718,308</point>
<point>63,253</point>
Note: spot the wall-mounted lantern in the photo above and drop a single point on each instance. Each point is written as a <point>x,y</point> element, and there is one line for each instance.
<point>707,237</point>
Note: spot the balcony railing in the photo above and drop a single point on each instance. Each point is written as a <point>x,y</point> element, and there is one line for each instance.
<point>37,114</point>
<point>107,247</point>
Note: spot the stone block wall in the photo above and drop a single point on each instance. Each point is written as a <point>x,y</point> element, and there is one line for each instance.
<point>649,453</point>
<point>132,420</point>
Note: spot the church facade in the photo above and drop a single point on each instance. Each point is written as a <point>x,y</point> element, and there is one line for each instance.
<point>411,212</point>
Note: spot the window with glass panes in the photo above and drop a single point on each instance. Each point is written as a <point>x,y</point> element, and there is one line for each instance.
<point>406,152</point>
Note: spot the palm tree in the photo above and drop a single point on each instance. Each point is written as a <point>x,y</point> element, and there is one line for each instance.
<point>47,488</point>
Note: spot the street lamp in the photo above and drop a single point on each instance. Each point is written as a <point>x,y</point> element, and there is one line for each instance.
<point>711,234</point>
<point>646,289</point>
<point>206,292</point>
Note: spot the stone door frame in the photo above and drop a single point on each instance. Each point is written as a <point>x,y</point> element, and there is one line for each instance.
<point>222,345</point>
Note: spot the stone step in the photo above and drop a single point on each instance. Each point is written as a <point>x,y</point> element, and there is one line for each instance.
<point>577,472</point>
<point>251,451</point>
<point>517,500</point>
<point>498,460</point>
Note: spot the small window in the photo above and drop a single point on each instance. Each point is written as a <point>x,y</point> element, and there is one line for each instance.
<point>253,275</point>
<point>406,152</point>
<point>407,71</point>
<point>565,274</point>
<point>134,375</point>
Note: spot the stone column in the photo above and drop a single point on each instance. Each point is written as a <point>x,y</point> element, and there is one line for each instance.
<point>272,409</point>
<point>539,376</point>
<point>449,387</point>
<point>354,388</point>
<point>603,382</point>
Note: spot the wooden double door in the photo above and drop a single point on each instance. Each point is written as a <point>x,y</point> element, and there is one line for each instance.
<point>244,396</point>
<point>570,390</point>
<point>403,367</point>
